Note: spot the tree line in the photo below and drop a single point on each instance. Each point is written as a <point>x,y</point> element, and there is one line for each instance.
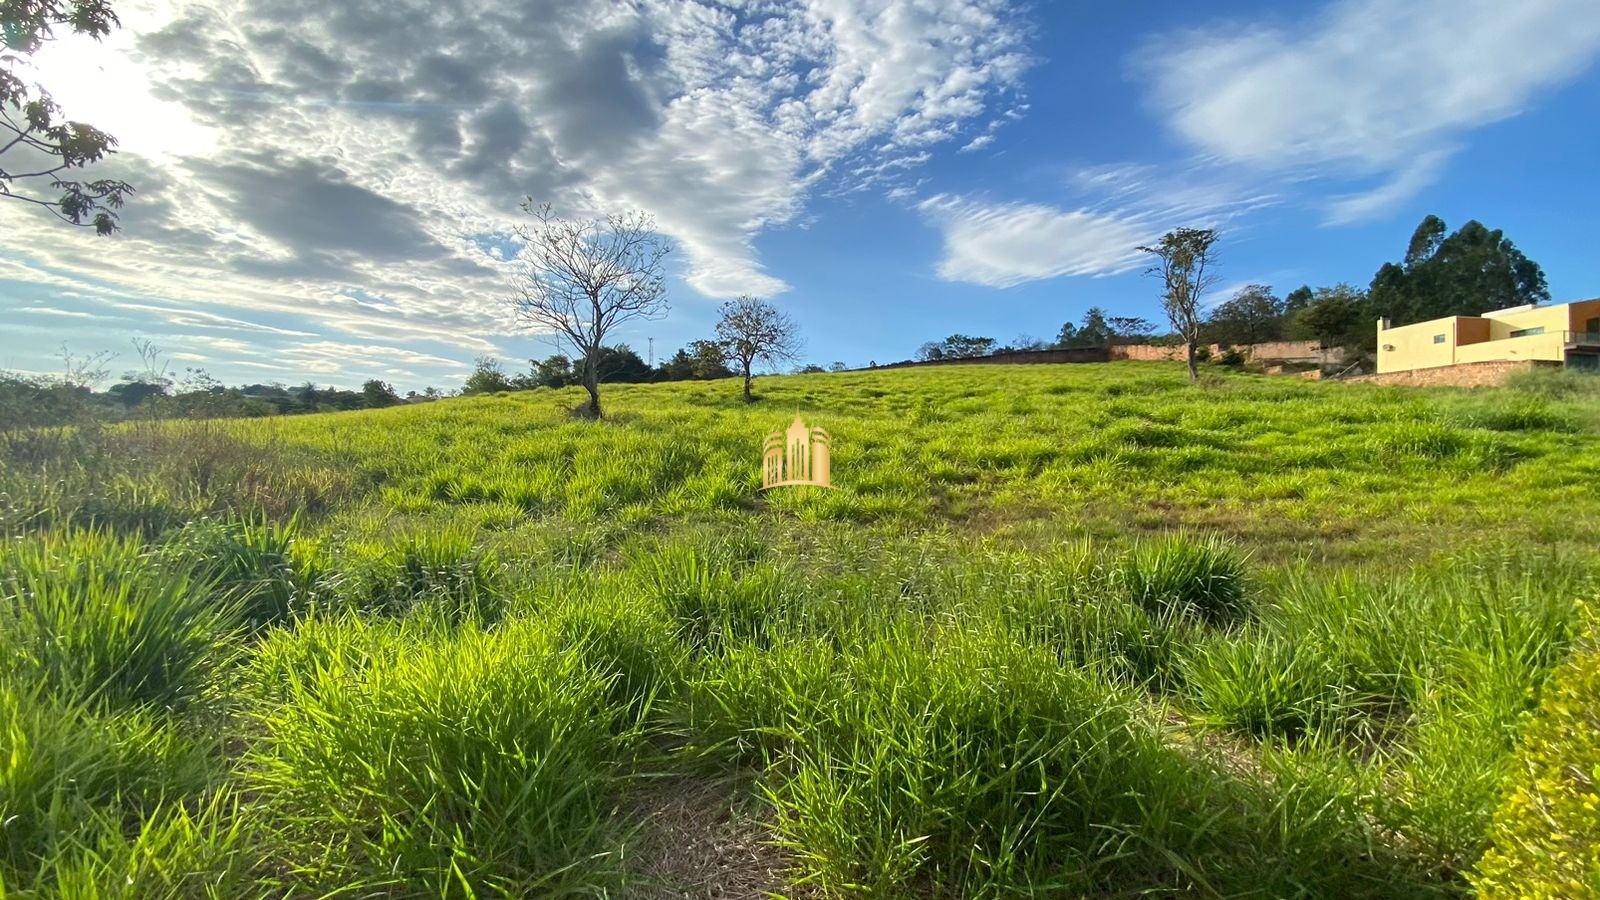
<point>1467,272</point>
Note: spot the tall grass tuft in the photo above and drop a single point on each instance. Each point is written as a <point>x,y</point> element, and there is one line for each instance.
<point>435,571</point>
<point>94,617</point>
<point>67,769</point>
<point>254,567</point>
<point>477,761</point>
<point>1187,575</point>
<point>715,597</point>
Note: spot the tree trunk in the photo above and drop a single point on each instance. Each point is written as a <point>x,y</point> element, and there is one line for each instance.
<point>591,383</point>
<point>1194,369</point>
<point>747,397</point>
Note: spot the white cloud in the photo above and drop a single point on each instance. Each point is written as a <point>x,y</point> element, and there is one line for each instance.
<point>1370,88</point>
<point>977,143</point>
<point>307,151</point>
<point>1007,244</point>
<point>52,311</point>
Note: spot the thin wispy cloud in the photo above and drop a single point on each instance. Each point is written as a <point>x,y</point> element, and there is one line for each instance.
<point>1367,89</point>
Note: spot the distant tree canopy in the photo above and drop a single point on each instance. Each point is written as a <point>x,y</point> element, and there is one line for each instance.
<point>487,377</point>
<point>1252,316</point>
<point>38,149</point>
<point>378,394</point>
<point>1094,331</point>
<point>1335,316</point>
<point>1467,273</point>
<point>957,346</point>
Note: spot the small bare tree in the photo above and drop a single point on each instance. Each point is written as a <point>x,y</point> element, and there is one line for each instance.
<point>752,330</point>
<point>1185,259</point>
<point>580,279</point>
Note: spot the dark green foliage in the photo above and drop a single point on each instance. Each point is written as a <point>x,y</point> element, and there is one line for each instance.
<point>1251,316</point>
<point>1335,316</point>
<point>1466,273</point>
<point>957,346</point>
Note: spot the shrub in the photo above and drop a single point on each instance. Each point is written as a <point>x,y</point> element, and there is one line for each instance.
<point>1546,835</point>
<point>1202,577</point>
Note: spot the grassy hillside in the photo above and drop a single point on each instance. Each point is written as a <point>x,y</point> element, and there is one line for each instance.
<point>1063,631</point>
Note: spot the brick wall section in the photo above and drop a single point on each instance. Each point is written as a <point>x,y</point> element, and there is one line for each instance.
<point>1148,352</point>
<point>1292,351</point>
<point>1470,375</point>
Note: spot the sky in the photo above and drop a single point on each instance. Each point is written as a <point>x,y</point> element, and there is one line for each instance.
<point>328,191</point>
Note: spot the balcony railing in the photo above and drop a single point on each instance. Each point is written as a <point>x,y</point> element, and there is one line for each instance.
<point>1582,338</point>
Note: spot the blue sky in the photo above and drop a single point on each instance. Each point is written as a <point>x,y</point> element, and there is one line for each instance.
<point>327,190</point>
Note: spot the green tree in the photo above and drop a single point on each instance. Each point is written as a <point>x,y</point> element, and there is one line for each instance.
<point>1465,273</point>
<point>1297,299</point>
<point>962,346</point>
<point>487,377</point>
<point>709,360</point>
<point>554,371</point>
<point>1252,316</point>
<point>1336,316</point>
<point>37,146</point>
<point>621,364</point>
<point>1094,331</point>
<point>1185,264</point>
<point>376,394</point>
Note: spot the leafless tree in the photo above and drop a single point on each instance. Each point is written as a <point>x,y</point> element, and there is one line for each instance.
<point>752,330</point>
<point>1185,259</point>
<point>580,279</point>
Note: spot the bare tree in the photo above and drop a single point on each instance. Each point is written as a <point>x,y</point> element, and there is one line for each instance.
<point>752,330</point>
<point>1186,257</point>
<point>580,279</point>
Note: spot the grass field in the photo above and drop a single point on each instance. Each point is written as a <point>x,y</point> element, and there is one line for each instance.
<point>1064,631</point>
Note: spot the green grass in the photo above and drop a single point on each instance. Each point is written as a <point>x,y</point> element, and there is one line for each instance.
<point>1062,631</point>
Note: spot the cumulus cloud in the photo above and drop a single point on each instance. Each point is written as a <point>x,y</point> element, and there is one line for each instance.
<point>362,160</point>
<point>1368,89</point>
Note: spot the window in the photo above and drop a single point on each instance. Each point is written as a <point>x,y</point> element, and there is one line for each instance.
<point>1525,332</point>
<point>1438,339</point>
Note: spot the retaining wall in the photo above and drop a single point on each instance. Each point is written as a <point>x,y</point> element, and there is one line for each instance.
<point>1478,374</point>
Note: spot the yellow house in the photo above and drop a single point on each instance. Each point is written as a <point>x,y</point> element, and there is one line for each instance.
<point>1569,334</point>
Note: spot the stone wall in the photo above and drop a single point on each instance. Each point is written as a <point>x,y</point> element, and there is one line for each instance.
<point>1479,374</point>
